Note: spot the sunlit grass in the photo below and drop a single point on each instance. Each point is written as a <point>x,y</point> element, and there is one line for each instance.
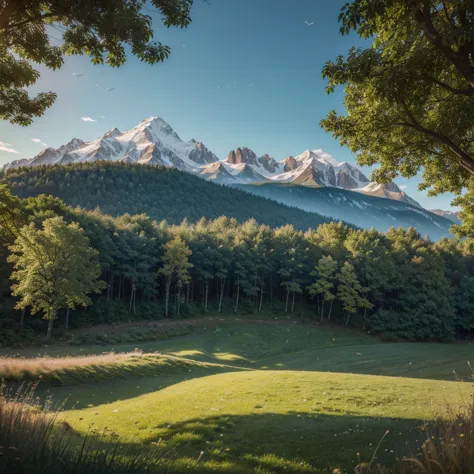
<point>204,398</point>
<point>302,419</point>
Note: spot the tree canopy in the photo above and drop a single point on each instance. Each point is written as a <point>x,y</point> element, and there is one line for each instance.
<point>397,284</point>
<point>104,30</point>
<point>161,193</point>
<point>54,268</point>
<point>409,95</point>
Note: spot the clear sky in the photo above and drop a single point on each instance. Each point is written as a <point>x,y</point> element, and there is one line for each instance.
<point>245,73</point>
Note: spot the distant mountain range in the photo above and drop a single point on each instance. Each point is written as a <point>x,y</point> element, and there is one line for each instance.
<point>451,215</point>
<point>154,142</point>
<point>364,211</point>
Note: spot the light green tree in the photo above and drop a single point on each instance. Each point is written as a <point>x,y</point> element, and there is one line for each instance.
<point>175,268</point>
<point>409,96</point>
<point>290,255</point>
<point>323,286</point>
<point>54,268</point>
<point>350,291</point>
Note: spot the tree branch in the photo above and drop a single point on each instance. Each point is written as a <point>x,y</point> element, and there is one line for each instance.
<point>29,20</point>
<point>461,63</point>
<point>465,160</point>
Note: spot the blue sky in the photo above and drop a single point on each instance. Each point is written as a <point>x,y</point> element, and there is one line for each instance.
<point>245,73</point>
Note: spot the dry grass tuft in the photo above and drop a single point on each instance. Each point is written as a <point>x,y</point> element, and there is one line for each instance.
<point>446,447</point>
<point>34,439</point>
<point>15,368</point>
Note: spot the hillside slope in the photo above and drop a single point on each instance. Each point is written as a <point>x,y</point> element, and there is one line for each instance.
<point>357,208</point>
<point>162,193</point>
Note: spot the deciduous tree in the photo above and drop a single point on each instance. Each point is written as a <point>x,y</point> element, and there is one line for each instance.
<point>324,275</point>
<point>175,269</point>
<point>350,291</point>
<point>410,95</point>
<point>102,29</point>
<point>54,268</point>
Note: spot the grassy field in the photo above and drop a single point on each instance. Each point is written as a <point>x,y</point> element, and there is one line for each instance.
<point>249,396</point>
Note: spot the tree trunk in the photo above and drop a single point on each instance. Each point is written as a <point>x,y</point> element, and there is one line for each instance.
<point>322,310</point>
<point>22,318</point>
<point>261,298</point>
<point>271,288</point>
<point>167,298</point>
<point>67,318</point>
<point>112,278</point>
<point>132,300</point>
<point>178,305</point>
<point>287,299</point>
<point>365,315</point>
<point>50,325</point>
<point>187,294</point>
<point>237,298</point>
<point>347,320</point>
<point>330,309</point>
<point>206,294</point>
<point>120,288</point>
<point>293,302</point>
<point>109,288</point>
<point>222,294</point>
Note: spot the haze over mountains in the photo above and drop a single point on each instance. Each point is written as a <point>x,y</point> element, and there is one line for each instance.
<point>154,142</point>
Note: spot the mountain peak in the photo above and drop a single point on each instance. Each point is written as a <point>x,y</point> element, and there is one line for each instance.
<point>242,155</point>
<point>153,119</point>
<point>115,132</point>
<point>153,141</point>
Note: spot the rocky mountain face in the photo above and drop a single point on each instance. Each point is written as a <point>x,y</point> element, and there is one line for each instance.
<point>451,215</point>
<point>154,142</point>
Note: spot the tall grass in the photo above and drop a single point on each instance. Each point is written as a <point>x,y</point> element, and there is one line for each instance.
<point>75,370</point>
<point>445,447</point>
<point>34,440</point>
<point>15,368</point>
<point>448,446</point>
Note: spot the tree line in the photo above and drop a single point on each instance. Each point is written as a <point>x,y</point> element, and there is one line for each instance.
<point>56,258</point>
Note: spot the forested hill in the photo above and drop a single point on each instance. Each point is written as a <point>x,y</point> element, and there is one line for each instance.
<point>162,193</point>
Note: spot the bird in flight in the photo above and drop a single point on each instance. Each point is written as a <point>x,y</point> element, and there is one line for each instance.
<point>110,89</point>
<point>309,24</point>
<point>77,75</point>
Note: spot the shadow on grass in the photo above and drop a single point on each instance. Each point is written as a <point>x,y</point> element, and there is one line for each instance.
<point>413,360</point>
<point>281,443</point>
<point>121,388</point>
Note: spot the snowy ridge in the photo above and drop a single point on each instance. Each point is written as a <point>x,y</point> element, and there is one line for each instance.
<point>154,142</point>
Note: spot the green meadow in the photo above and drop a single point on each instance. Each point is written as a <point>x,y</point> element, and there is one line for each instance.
<point>255,396</point>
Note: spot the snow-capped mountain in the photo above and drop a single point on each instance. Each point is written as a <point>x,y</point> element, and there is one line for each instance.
<point>311,168</point>
<point>154,142</point>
